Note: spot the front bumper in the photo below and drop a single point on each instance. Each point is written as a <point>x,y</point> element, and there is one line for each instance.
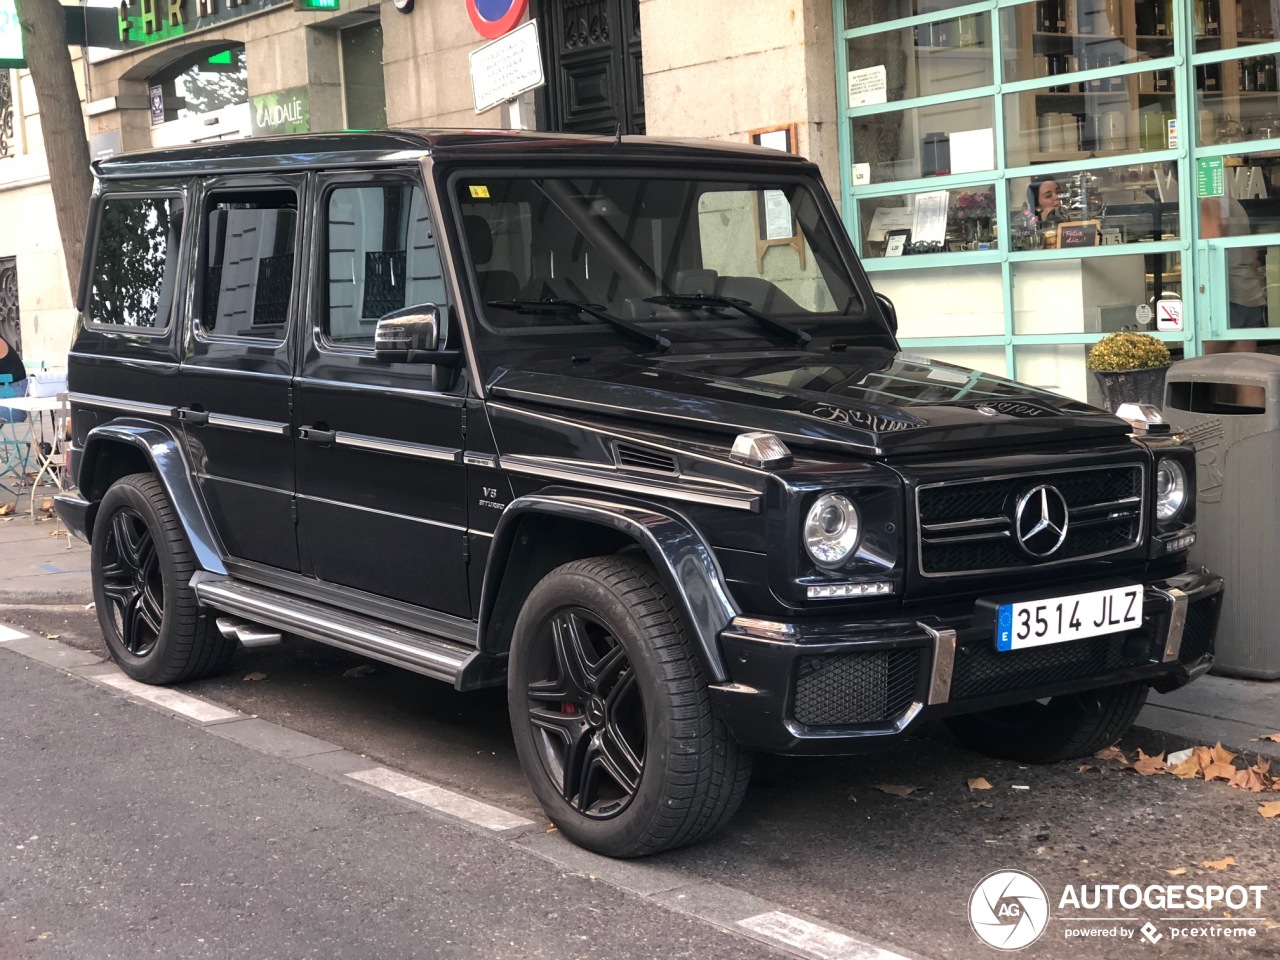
<point>840,688</point>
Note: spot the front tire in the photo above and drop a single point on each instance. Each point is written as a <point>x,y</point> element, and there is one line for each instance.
<point>612,717</point>
<point>1072,725</point>
<point>142,565</point>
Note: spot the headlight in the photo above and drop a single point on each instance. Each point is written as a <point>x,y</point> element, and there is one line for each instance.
<point>831,530</point>
<point>1171,489</point>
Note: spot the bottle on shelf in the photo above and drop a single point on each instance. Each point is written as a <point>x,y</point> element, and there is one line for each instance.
<point>1161,18</point>
<point>1212,18</point>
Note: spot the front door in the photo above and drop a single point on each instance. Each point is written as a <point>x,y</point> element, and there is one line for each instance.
<point>381,503</point>
<point>595,79</point>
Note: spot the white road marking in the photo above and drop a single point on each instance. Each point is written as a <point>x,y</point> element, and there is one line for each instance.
<point>438,798</point>
<point>8,633</point>
<point>199,710</point>
<point>815,940</point>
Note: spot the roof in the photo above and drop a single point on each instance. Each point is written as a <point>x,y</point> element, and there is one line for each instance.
<point>359,148</point>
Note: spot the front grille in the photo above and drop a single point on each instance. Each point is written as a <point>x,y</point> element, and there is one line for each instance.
<point>1197,635</point>
<point>981,670</point>
<point>872,687</point>
<point>970,526</point>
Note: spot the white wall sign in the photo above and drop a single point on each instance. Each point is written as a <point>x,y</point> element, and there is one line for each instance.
<point>973,151</point>
<point>868,86</point>
<point>507,67</point>
<point>929,225</point>
<point>1142,314</point>
<point>1169,315</point>
<point>861,174</point>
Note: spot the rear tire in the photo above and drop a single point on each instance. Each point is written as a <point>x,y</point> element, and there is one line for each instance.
<point>142,566</point>
<point>611,714</point>
<point>1072,725</point>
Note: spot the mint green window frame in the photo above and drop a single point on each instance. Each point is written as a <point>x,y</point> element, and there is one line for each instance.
<point>1199,286</point>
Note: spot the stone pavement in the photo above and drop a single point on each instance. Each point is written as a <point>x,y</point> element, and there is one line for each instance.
<point>38,567</point>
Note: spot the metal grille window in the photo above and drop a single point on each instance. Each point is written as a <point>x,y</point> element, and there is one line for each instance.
<point>6,113</point>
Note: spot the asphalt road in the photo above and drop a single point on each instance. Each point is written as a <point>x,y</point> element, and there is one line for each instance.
<point>814,836</point>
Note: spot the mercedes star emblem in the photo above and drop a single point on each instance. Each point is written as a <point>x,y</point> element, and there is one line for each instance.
<point>1041,521</point>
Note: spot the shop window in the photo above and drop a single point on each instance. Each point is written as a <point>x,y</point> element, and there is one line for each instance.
<point>203,83</point>
<point>922,61</point>
<point>1093,294</point>
<point>972,306</point>
<point>1104,115</point>
<point>135,266</point>
<point>1237,100</point>
<point>363,90</point>
<point>964,221</point>
<point>248,264</point>
<point>382,257</point>
<point>1223,24</point>
<point>1239,194</point>
<point>1112,206</point>
<point>1046,38</point>
<point>865,13</point>
<point>955,137</point>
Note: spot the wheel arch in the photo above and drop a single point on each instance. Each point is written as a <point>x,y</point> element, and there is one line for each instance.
<point>120,448</point>
<point>540,532</point>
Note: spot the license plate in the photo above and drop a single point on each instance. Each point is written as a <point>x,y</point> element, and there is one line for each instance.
<point>1035,623</point>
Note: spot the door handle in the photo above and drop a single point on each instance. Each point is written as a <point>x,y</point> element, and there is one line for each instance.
<point>197,418</point>
<point>316,435</point>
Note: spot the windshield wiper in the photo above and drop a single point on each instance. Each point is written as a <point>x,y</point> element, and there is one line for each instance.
<point>556,305</point>
<point>698,301</point>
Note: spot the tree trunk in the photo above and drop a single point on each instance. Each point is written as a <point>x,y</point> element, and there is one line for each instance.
<point>44,44</point>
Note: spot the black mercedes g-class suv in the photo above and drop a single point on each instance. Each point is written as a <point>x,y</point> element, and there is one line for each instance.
<point>561,413</point>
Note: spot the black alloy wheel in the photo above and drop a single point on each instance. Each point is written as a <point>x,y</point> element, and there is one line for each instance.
<point>142,566</point>
<point>611,716</point>
<point>587,713</point>
<point>132,582</point>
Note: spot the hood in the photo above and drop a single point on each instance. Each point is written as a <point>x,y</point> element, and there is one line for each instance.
<point>885,405</point>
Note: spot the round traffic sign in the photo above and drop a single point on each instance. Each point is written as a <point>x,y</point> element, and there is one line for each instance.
<point>493,18</point>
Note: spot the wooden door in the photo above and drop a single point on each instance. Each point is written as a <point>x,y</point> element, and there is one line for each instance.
<point>595,78</point>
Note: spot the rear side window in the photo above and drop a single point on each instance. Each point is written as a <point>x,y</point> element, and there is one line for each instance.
<point>135,267</point>
<point>248,244</point>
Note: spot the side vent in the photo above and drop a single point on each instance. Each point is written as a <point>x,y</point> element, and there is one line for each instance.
<point>642,458</point>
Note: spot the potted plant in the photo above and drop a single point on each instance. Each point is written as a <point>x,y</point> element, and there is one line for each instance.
<point>1130,368</point>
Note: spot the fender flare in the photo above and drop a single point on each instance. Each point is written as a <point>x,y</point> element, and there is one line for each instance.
<point>168,461</point>
<point>684,562</point>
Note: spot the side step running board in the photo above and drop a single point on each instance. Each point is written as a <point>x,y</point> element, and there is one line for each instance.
<point>441,659</point>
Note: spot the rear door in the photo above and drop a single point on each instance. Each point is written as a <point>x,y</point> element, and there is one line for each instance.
<point>236,382</point>
<point>379,452</point>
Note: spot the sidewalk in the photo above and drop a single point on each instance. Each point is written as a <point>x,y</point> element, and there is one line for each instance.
<point>38,568</point>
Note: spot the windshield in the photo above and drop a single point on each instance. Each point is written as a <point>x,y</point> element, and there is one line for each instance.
<point>653,263</point>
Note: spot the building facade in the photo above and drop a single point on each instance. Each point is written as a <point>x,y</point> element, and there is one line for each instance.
<point>1020,176</point>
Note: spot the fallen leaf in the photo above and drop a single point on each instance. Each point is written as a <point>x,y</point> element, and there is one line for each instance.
<point>1274,737</point>
<point>1187,769</point>
<point>1112,753</point>
<point>255,676</point>
<point>1270,810</point>
<point>1176,872</point>
<point>980,804</point>
<point>979,783</point>
<point>1149,766</point>
<point>553,829</point>
<point>6,509</point>
<point>1220,771</point>
<point>1221,754</point>
<point>1219,864</point>
<point>52,636</point>
<point>896,789</point>
<point>1203,757</point>
<point>1085,768</point>
<point>1250,780</point>
<point>361,671</point>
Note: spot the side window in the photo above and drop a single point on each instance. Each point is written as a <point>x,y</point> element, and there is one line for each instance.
<point>135,267</point>
<point>247,263</point>
<point>381,256</point>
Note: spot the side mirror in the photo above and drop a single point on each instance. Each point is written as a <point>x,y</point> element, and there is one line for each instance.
<point>890,312</point>
<point>411,335</point>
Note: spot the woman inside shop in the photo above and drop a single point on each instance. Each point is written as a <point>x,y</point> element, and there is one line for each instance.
<point>1043,202</point>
